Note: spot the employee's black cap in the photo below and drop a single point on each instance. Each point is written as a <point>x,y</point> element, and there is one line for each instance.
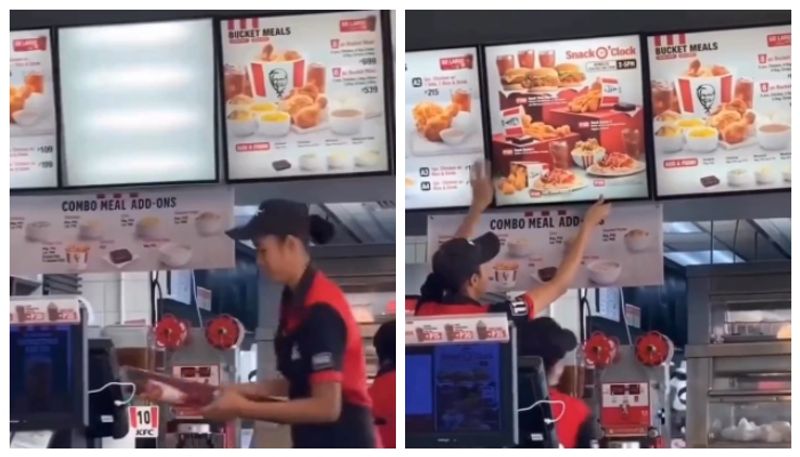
<point>276,217</point>
<point>458,259</point>
<point>545,338</point>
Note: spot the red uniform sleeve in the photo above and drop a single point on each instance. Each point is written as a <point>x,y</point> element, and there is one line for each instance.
<point>324,343</point>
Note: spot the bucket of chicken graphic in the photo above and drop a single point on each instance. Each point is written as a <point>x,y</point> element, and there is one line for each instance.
<point>703,95</point>
<point>274,80</point>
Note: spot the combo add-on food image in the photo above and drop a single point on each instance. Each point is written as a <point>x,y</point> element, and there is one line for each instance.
<point>567,120</point>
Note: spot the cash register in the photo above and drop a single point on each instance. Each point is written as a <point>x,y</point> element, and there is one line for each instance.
<point>461,379</point>
<point>52,368</point>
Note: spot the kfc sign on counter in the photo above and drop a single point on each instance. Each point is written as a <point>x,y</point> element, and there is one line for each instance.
<point>305,95</point>
<point>721,110</point>
<point>567,120</point>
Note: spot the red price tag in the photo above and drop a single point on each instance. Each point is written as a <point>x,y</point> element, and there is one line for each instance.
<point>463,335</point>
<point>431,336</point>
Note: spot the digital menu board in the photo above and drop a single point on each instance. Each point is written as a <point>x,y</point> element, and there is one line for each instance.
<point>722,110</point>
<point>34,153</point>
<point>137,103</point>
<point>444,128</point>
<point>304,95</point>
<point>567,120</point>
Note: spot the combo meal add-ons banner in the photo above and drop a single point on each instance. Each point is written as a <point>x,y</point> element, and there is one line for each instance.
<point>124,231</point>
<point>624,251</point>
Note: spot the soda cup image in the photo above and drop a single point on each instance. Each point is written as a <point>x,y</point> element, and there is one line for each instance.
<point>481,330</point>
<point>449,332</point>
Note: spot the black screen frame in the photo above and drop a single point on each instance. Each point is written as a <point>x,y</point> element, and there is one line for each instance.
<point>389,95</point>
<point>648,86</point>
<point>507,436</point>
<point>78,417</point>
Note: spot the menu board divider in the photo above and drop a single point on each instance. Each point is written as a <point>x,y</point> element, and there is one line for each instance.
<point>647,144</point>
<point>56,30</point>
<point>388,94</point>
<point>484,118</point>
<point>57,105</point>
<point>647,106</point>
<point>648,86</point>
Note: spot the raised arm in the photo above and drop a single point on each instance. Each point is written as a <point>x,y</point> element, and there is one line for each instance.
<point>482,195</point>
<point>543,296</point>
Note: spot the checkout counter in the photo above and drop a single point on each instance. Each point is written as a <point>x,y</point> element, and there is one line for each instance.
<point>65,391</point>
<point>470,388</point>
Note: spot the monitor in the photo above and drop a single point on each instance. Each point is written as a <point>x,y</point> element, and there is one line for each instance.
<point>48,377</point>
<point>461,395</point>
<point>567,120</point>
<point>534,431</point>
<point>106,418</point>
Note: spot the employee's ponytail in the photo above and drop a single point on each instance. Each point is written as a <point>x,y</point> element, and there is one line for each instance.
<point>432,290</point>
<point>320,230</point>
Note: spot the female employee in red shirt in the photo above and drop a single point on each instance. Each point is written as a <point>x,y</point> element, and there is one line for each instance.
<point>460,272</point>
<point>318,343</point>
<point>382,390</point>
<point>543,337</point>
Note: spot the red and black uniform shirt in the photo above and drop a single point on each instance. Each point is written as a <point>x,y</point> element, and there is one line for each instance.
<point>318,341</point>
<point>518,310</point>
<point>383,396</point>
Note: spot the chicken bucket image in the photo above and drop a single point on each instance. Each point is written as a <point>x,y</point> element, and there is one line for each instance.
<point>702,96</point>
<point>274,81</point>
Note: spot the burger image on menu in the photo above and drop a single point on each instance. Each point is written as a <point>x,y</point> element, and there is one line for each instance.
<point>567,124</point>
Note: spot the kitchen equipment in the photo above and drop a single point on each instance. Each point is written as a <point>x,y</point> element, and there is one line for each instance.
<point>738,359</point>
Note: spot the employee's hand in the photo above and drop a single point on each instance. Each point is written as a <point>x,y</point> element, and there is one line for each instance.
<point>597,213</point>
<point>152,392</point>
<point>225,407</point>
<point>481,181</point>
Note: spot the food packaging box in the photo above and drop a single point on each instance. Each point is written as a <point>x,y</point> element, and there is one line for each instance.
<point>505,151</point>
<point>535,104</point>
<point>701,96</point>
<point>587,125</point>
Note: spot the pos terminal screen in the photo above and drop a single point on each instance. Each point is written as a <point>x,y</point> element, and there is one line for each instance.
<point>456,389</point>
<point>42,371</point>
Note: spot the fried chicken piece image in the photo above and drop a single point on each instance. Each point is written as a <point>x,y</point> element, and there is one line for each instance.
<point>719,70</point>
<point>292,55</point>
<point>310,89</point>
<point>423,112</point>
<point>694,68</point>
<point>266,52</point>
<point>520,180</point>
<point>736,132</point>
<point>506,187</point>
<point>451,111</point>
<point>295,103</point>
<point>309,116</point>
<point>434,127</point>
<point>724,118</point>
<point>750,117</point>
